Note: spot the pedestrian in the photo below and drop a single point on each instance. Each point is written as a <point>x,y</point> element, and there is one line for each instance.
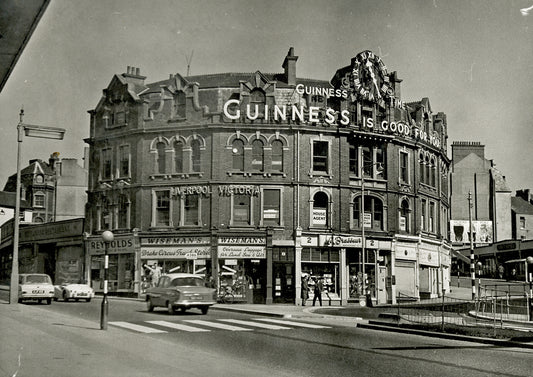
<point>304,295</point>
<point>501,269</point>
<point>155,273</point>
<point>319,287</point>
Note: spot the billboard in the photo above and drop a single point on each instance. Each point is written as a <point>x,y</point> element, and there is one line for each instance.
<point>460,229</point>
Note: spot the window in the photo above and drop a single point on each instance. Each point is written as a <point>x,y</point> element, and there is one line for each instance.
<point>237,150</point>
<point>373,213</point>
<point>271,207</point>
<point>180,105</point>
<point>106,163</point>
<point>320,156</point>
<point>196,161</point>
<point>119,118</point>
<point>124,161</point>
<point>123,212</point>
<point>320,209</point>
<point>431,217</point>
<point>421,167</point>
<point>191,210</point>
<point>404,216</point>
<point>162,208</point>
<point>257,155</point>
<point>161,163</point>
<point>241,209</point>
<point>522,222</point>
<point>433,173</point>
<point>353,159</point>
<point>178,157</point>
<point>428,168</point>
<point>367,161</point>
<point>39,179</point>
<point>39,200</point>
<point>404,167</point>
<point>277,155</point>
<point>423,215</point>
<point>257,96</point>
<point>105,215</point>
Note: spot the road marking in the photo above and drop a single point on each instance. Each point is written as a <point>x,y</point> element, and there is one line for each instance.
<point>217,325</point>
<point>291,323</point>
<point>177,326</point>
<point>256,324</point>
<point>135,327</point>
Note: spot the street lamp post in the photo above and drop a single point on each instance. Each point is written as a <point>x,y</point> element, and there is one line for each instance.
<point>471,237</point>
<point>530,279</point>
<point>108,237</point>
<point>30,131</point>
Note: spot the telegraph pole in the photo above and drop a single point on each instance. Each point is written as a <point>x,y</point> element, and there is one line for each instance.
<point>472,257</point>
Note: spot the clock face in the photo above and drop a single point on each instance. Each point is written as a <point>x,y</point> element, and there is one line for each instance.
<point>370,77</point>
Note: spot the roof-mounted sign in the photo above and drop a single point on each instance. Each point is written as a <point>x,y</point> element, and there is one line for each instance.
<point>370,78</point>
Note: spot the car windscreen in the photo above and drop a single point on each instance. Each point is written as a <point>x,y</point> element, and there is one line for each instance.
<point>38,279</point>
<point>187,282</point>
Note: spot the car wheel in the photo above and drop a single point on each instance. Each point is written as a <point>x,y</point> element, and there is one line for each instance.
<point>204,309</point>
<point>20,301</point>
<point>170,308</point>
<point>55,298</point>
<point>48,301</point>
<point>149,305</point>
<point>88,299</point>
<point>76,299</point>
<point>183,309</point>
<point>40,301</point>
<point>65,296</point>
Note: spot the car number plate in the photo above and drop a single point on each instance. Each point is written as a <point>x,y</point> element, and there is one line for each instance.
<point>38,291</point>
<point>82,294</point>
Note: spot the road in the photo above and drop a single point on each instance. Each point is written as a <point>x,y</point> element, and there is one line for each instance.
<point>64,339</point>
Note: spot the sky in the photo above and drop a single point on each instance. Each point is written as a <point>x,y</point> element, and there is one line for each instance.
<point>473,59</point>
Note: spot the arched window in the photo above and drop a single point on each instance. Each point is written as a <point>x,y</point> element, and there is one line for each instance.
<point>178,157</point>
<point>404,216</point>
<point>257,96</point>
<point>433,173</point>
<point>196,160</point>
<point>237,150</point>
<point>257,155</point>
<point>277,155</point>
<point>428,168</point>
<point>373,207</point>
<point>421,167</point>
<point>320,213</point>
<point>161,164</point>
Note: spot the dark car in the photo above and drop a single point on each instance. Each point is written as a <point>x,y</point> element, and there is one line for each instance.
<point>180,291</point>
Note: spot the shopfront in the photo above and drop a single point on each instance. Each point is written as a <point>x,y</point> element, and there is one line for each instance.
<point>242,266</point>
<point>121,267</point>
<point>406,270</point>
<point>187,254</point>
<point>428,261</point>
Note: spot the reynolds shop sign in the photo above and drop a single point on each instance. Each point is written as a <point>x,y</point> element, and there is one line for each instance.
<point>125,244</point>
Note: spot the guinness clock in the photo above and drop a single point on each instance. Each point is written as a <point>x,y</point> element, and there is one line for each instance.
<point>370,77</point>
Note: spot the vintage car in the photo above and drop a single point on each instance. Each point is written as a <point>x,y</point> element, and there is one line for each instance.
<point>35,287</point>
<point>180,291</point>
<point>70,291</point>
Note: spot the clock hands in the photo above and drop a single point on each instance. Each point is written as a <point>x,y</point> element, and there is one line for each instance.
<point>369,65</point>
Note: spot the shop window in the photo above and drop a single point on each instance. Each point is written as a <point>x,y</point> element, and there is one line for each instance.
<point>271,206</point>
<point>124,161</point>
<point>106,163</point>
<point>320,156</point>
<point>241,209</point>
<point>373,211</point>
<point>180,105</point>
<point>277,155</point>
<point>196,156</point>
<point>257,155</point>
<point>404,216</point>
<point>320,208</point>
<point>237,150</point>
<point>191,213</point>
<point>161,163</point>
<point>162,208</point>
<point>39,200</point>
<point>178,157</point>
<point>404,167</point>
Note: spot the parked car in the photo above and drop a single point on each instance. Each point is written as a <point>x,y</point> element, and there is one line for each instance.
<point>180,291</point>
<point>68,291</point>
<point>35,287</point>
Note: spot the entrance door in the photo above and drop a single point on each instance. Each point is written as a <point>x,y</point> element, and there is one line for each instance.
<point>381,288</point>
<point>283,283</point>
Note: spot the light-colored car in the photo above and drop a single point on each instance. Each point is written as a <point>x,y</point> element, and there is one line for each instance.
<point>35,287</point>
<point>68,291</point>
<point>180,291</point>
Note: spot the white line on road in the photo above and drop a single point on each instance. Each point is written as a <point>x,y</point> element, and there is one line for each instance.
<point>177,326</point>
<point>135,327</point>
<point>217,325</point>
<point>291,323</point>
<point>256,324</point>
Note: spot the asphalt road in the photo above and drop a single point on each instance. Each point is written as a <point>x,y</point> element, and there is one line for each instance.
<point>64,339</point>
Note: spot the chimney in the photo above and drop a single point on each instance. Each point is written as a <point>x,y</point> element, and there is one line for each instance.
<point>133,75</point>
<point>54,163</point>
<point>289,65</point>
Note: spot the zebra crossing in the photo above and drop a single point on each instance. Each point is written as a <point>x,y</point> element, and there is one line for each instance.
<point>199,325</point>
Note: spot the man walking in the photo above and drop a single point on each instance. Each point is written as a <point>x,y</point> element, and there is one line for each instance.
<point>319,287</point>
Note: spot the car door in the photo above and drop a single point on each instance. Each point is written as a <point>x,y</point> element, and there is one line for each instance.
<point>157,293</point>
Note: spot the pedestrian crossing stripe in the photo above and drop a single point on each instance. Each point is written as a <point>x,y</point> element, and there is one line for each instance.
<point>256,324</point>
<point>217,325</point>
<point>177,326</point>
<point>139,328</point>
<point>292,323</point>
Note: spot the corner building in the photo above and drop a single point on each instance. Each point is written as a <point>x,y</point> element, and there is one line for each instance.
<point>259,178</point>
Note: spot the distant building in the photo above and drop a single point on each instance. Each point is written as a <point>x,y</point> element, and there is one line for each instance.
<point>55,190</point>
<point>522,215</point>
